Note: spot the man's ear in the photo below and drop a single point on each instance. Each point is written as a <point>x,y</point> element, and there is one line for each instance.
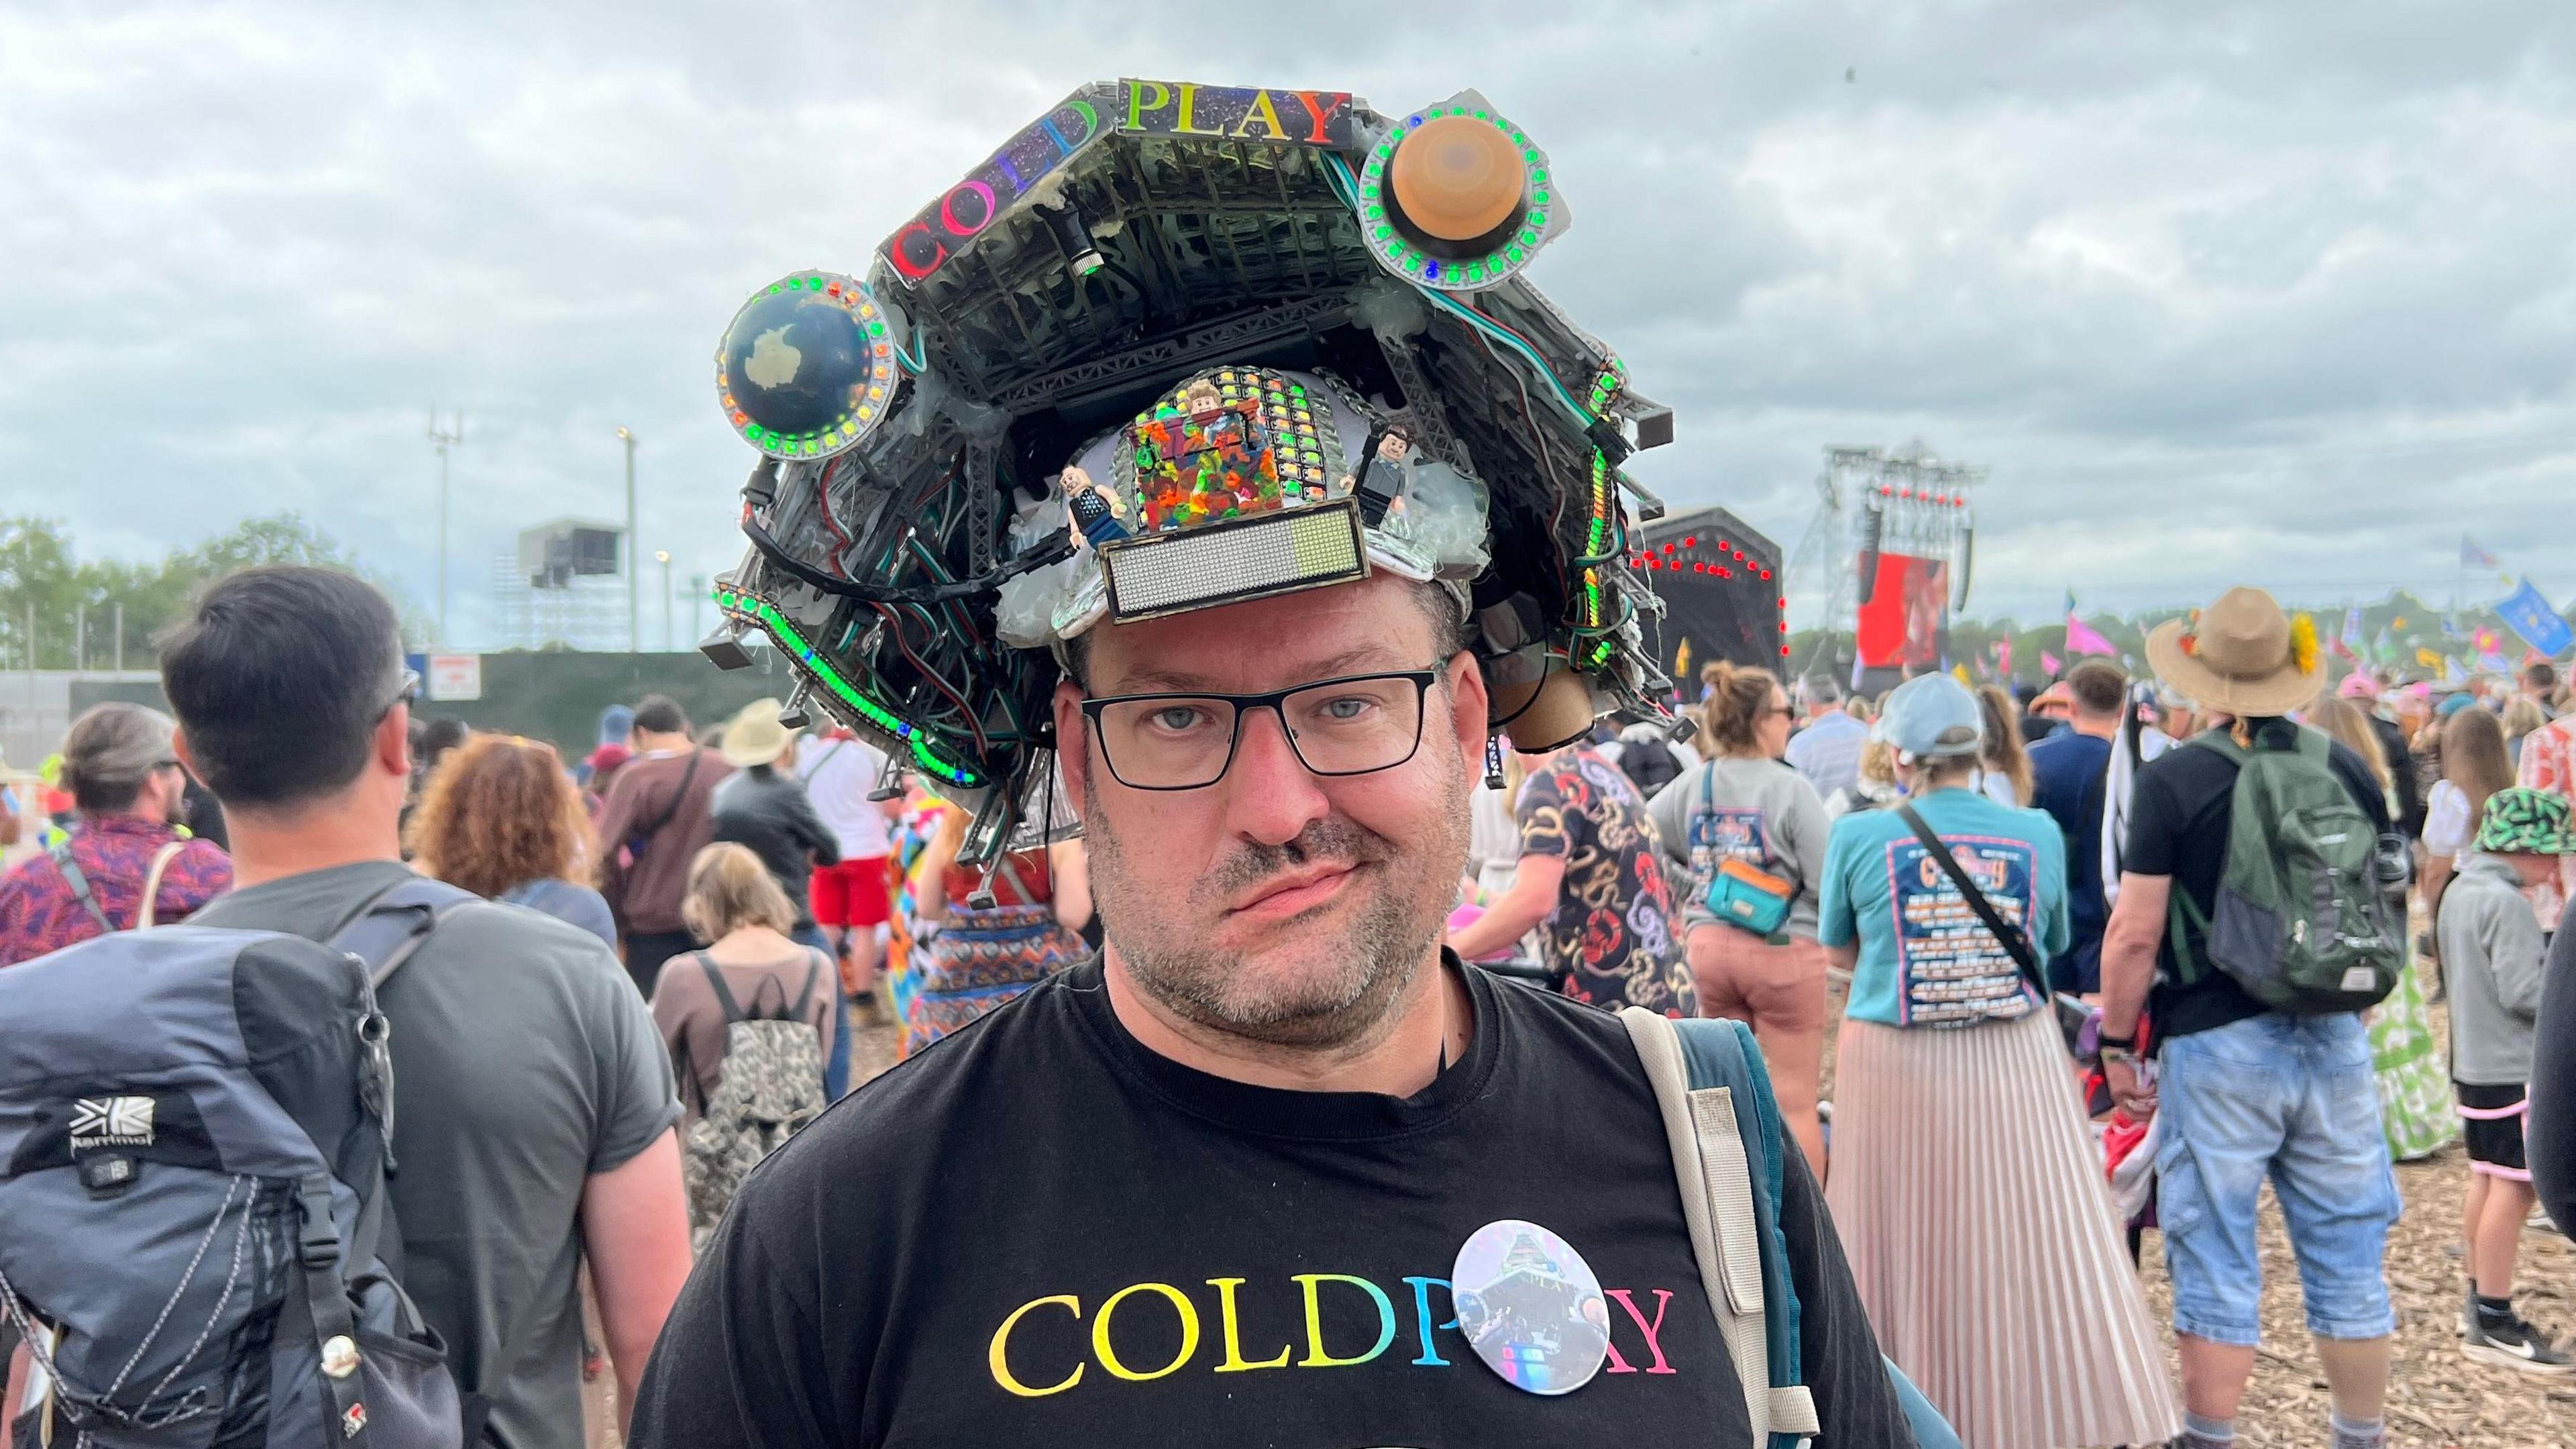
<point>186,757</point>
<point>1072,742</point>
<point>1468,711</point>
<point>393,741</point>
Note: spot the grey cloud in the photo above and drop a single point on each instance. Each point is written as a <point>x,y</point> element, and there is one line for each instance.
<point>2279,292</point>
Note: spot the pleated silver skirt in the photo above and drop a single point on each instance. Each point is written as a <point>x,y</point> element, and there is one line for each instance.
<point>1970,1199</point>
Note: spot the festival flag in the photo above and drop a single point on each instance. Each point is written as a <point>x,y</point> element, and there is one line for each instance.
<point>2453,672</point>
<point>2384,648</point>
<point>2083,638</point>
<point>2428,659</point>
<point>2541,626</point>
<point>2350,643</point>
<point>2049,664</point>
<point>2474,557</point>
<point>1681,659</point>
<point>2003,656</point>
<point>1959,672</point>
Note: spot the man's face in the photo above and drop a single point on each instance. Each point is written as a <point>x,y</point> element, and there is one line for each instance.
<point>1278,905</point>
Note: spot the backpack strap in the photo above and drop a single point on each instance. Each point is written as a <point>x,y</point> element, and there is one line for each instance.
<point>715,982</point>
<point>382,936</point>
<point>1720,1121</point>
<point>146,912</point>
<point>813,972</point>
<point>59,848</point>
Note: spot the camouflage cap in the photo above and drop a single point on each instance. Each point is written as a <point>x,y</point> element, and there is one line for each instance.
<point>2522,820</point>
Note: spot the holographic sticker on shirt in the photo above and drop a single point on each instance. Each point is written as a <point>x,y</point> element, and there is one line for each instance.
<point>1950,970</point>
<point>1530,1307</point>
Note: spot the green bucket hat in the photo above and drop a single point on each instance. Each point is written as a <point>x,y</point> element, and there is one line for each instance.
<point>2521,819</point>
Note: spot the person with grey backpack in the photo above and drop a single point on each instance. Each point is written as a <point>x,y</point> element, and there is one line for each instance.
<point>2253,927</point>
<point>749,1022</point>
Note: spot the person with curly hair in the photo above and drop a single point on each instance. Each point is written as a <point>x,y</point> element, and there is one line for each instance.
<point>502,818</point>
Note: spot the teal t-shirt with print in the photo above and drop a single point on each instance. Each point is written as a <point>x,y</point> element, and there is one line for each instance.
<point>1925,959</point>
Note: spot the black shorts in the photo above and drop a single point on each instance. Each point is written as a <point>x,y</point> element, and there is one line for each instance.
<point>2495,1142</point>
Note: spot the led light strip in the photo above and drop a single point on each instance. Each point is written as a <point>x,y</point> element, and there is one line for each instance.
<point>760,611</point>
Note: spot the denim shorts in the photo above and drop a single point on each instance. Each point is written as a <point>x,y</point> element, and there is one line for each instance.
<point>2291,1098</point>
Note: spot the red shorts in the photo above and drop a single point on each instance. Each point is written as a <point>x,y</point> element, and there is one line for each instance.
<point>855,893</point>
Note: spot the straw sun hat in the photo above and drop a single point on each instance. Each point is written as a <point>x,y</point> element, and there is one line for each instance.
<point>2242,656</point>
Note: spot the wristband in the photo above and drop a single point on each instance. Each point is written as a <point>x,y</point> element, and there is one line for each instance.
<point>2125,1043</point>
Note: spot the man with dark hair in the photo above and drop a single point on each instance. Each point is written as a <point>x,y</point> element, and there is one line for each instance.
<point>659,814</point>
<point>2068,771</point>
<point>129,792</point>
<point>535,1106</point>
<point>2540,685</point>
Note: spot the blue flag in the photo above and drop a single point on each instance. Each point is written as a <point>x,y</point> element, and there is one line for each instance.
<point>2530,615</point>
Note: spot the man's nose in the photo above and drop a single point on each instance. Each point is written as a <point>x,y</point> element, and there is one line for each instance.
<point>1271,796</point>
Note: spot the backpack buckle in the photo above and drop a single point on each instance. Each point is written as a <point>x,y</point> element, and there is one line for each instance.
<point>317,1235</point>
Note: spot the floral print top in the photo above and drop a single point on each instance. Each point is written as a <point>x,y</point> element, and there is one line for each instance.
<point>1611,938</point>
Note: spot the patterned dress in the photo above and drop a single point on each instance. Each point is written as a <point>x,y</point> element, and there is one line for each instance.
<point>1611,939</point>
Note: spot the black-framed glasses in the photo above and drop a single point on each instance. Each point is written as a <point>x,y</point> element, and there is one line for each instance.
<point>1358,724</point>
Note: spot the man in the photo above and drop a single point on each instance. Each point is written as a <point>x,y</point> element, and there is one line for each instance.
<point>2246,1093</point>
<point>855,896</point>
<point>659,814</point>
<point>2069,772</point>
<point>128,792</point>
<point>2540,686</point>
<point>1135,1186</point>
<point>534,1108</point>
<point>763,806</point>
<point>1827,748</point>
<point>1592,875</point>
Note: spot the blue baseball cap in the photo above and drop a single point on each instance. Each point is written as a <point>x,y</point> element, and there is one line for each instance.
<point>1931,716</point>
<point>2452,704</point>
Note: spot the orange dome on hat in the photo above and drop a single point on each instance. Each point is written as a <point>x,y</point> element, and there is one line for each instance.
<point>1457,178</point>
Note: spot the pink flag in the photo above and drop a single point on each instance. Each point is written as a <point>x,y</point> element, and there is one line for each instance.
<point>2003,657</point>
<point>2083,638</point>
<point>2049,663</point>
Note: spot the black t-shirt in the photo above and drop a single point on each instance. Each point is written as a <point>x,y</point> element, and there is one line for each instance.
<point>1040,1232</point>
<point>2178,817</point>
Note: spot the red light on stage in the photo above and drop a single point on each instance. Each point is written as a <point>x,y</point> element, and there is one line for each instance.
<point>1691,542</point>
<point>1784,605</point>
<point>1721,545</point>
<point>1766,573</point>
<point>1784,651</point>
<point>1784,626</point>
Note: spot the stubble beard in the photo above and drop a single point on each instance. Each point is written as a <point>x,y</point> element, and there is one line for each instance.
<point>1371,966</point>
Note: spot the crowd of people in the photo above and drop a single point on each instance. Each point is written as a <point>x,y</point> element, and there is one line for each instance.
<point>2017,918</point>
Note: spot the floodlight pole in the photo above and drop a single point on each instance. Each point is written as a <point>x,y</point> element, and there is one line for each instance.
<point>634,595</point>
<point>441,441</point>
<point>662,556</point>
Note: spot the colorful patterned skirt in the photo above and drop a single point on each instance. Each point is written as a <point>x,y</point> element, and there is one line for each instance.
<point>979,960</point>
<point>2415,1109</point>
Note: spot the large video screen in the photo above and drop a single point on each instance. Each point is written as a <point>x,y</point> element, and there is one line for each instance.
<point>1901,625</point>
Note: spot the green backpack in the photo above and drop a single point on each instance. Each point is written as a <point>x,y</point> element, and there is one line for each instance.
<point>2301,921</point>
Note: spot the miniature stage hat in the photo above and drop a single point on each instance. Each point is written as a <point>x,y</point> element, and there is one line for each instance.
<point>1172,346</point>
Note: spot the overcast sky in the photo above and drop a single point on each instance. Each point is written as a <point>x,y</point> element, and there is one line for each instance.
<point>2281,293</point>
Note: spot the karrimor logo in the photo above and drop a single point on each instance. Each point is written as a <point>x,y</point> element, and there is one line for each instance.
<point>111,1122</point>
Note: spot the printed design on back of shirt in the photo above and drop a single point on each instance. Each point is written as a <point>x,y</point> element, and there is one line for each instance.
<point>1951,971</point>
<point>1729,832</point>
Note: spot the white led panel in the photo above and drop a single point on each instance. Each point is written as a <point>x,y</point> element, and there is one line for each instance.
<point>1223,562</point>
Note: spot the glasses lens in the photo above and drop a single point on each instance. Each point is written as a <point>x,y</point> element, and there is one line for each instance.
<point>1356,725</point>
<point>1168,742</point>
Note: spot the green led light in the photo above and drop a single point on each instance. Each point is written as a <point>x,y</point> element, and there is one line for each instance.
<point>787,638</point>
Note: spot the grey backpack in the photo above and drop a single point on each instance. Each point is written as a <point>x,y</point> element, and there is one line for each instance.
<point>771,1084</point>
<point>195,1240</point>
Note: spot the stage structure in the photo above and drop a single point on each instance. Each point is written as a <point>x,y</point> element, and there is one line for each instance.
<point>1886,559</point>
<point>1722,590</point>
<point>564,587</point>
